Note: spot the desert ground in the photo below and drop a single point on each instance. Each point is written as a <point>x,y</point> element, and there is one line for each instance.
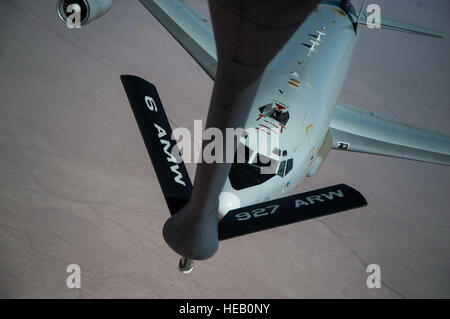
<point>77,186</point>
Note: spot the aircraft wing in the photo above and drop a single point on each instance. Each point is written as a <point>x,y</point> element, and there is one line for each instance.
<point>357,130</point>
<point>392,24</point>
<point>189,28</point>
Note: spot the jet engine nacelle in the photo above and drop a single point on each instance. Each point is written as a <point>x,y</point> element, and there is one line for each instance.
<point>90,9</point>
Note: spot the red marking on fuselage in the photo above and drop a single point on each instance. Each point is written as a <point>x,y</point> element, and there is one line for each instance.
<point>271,123</point>
<point>268,128</point>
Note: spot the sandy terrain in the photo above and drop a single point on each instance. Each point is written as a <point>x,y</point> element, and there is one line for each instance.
<point>77,185</point>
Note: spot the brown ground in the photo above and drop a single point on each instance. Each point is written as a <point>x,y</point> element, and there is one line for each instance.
<point>77,185</point>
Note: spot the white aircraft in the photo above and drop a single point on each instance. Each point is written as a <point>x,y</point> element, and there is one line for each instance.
<point>278,67</point>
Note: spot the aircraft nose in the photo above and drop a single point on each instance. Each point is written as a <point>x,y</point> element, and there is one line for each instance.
<point>228,201</point>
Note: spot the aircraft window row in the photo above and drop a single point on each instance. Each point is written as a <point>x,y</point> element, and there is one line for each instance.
<point>276,112</point>
<point>281,169</point>
<point>251,169</point>
<point>285,167</point>
<point>289,166</point>
<point>246,175</point>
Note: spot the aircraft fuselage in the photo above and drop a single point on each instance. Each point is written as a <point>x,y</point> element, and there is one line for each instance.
<point>295,102</point>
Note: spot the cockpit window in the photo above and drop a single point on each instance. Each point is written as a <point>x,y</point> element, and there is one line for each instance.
<point>281,169</point>
<point>255,170</point>
<point>289,166</point>
<point>246,175</point>
<point>285,167</point>
<point>276,111</point>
